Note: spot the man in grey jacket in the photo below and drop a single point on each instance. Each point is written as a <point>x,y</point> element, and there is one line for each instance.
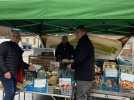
<point>10,60</point>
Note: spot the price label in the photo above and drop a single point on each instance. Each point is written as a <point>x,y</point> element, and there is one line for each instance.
<point>40,83</point>
<point>63,81</point>
<point>111,72</point>
<point>127,77</point>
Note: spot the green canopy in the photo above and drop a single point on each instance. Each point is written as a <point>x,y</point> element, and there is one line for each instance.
<point>66,9</point>
<point>49,16</point>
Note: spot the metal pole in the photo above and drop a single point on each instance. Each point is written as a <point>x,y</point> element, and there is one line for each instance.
<point>24,96</point>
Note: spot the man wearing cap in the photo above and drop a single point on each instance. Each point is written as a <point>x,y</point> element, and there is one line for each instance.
<point>10,60</point>
<point>84,64</point>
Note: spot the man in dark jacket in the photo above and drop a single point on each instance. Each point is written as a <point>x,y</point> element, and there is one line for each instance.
<point>84,64</point>
<point>10,61</point>
<point>64,50</point>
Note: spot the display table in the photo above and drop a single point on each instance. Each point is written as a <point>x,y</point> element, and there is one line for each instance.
<point>100,94</point>
<point>109,95</point>
<point>49,93</point>
<point>53,96</point>
<point>96,94</point>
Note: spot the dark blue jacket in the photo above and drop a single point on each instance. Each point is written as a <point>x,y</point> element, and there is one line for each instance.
<point>64,51</point>
<point>84,60</point>
<point>11,57</point>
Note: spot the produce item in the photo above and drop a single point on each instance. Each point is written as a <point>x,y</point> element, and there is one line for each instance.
<point>98,80</point>
<point>65,86</point>
<point>54,73</point>
<point>97,70</point>
<point>126,53</point>
<point>127,84</point>
<point>49,74</point>
<point>113,66</point>
<point>1,86</point>
<point>98,74</point>
<point>22,85</point>
<point>109,83</point>
<point>109,64</point>
<point>127,77</point>
<point>67,61</point>
<point>52,77</point>
<point>57,90</point>
<point>53,80</point>
<point>110,69</point>
<point>54,65</point>
<point>71,61</point>
<point>41,74</point>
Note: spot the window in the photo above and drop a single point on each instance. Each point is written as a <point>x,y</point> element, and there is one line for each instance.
<point>27,40</point>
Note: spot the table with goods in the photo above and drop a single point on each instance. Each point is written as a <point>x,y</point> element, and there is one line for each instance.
<point>52,78</point>
<point>114,78</point>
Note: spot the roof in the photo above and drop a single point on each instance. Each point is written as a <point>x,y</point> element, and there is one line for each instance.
<point>66,9</point>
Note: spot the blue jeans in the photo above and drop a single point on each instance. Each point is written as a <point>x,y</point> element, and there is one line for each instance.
<point>9,88</point>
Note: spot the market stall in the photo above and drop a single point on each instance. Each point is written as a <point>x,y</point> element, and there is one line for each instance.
<point>114,77</point>
<point>114,73</point>
<point>111,75</point>
<point>112,83</point>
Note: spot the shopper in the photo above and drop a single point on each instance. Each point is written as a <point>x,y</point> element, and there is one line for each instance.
<point>84,64</point>
<point>10,61</point>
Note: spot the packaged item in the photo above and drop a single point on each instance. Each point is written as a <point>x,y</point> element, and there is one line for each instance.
<point>65,85</point>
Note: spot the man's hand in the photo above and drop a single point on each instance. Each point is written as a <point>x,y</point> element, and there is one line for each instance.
<point>7,75</point>
<point>32,68</point>
<point>69,66</point>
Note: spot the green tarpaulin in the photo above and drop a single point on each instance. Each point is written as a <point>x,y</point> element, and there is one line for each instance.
<point>65,15</point>
<point>66,9</point>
